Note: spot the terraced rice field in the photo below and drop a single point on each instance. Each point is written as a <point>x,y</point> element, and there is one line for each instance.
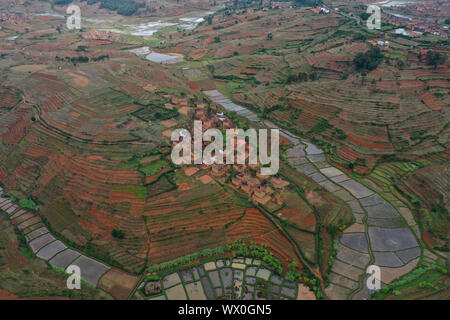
<point>238,278</point>
<point>380,236</point>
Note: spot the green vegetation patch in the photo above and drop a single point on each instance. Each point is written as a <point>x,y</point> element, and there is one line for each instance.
<point>28,204</point>
<point>154,168</point>
<point>140,192</point>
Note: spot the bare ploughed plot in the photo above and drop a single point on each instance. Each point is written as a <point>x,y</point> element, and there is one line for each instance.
<point>40,242</point>
<point>344,195</point>
<point>389,274</point>
<point>171,280</point>
<point>347,270</point>
<point>355,206</point>
<point>391,239</point>
<point>353,257</point>
<point>356,188</point>
<point>330,186</point>
<point>343,281</point>
<point>64,259</point>
<point>51,250</point>
<point>176,293</point>
<point>355,241</point>
<point>387,259</point>
<point>118,283</point>
<point>91,270</point>
<point>195,291</point>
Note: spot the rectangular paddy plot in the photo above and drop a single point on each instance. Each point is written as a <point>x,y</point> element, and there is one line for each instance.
<point>340,178</point>
<point>40,242</point>
<point>208,288</point>
<point>23,217</point>
<point>330,186</point>
<point>391,239</point>
<point>18,214</point>
<point>318,177</point>
<point>171,280</point>
<point>382,210</point>
<point>29,222</point>
<point>63,259</point>
<point>408,254</point>
<point>356,241</point>
<point>6,204</point>
<point>51,250</point>
<point>195,291</point>
<point>372,200</point>
<point>317,158</point>
<point>331,172</point>
<point>307,169</point>
<point>355,206</point>
<point>91,270</point>
<point>176,293</point>
<point>353,257</point>
<point>387,223</point>
<point>356,188</point>
<point>36,233</point>
<point>387,259</point>
<point>11,209</point>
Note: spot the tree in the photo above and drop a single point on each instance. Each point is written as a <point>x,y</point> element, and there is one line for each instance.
<point>364,16</point>
<point>302,77</point>
<point>118,234</point>
<point>434,58</point>
<point>368,60</point>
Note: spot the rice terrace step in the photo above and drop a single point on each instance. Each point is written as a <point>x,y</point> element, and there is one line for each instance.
<point>120,178</point>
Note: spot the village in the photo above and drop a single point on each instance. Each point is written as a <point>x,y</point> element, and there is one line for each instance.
<point>245,178</point>
<point>417,19</point>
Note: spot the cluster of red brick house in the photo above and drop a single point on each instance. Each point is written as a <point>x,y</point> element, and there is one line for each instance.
<point>246,177</point>
<point>101,35</point>
<point>13,18</point>
<point>260,188</point>
<point>419,18</point>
